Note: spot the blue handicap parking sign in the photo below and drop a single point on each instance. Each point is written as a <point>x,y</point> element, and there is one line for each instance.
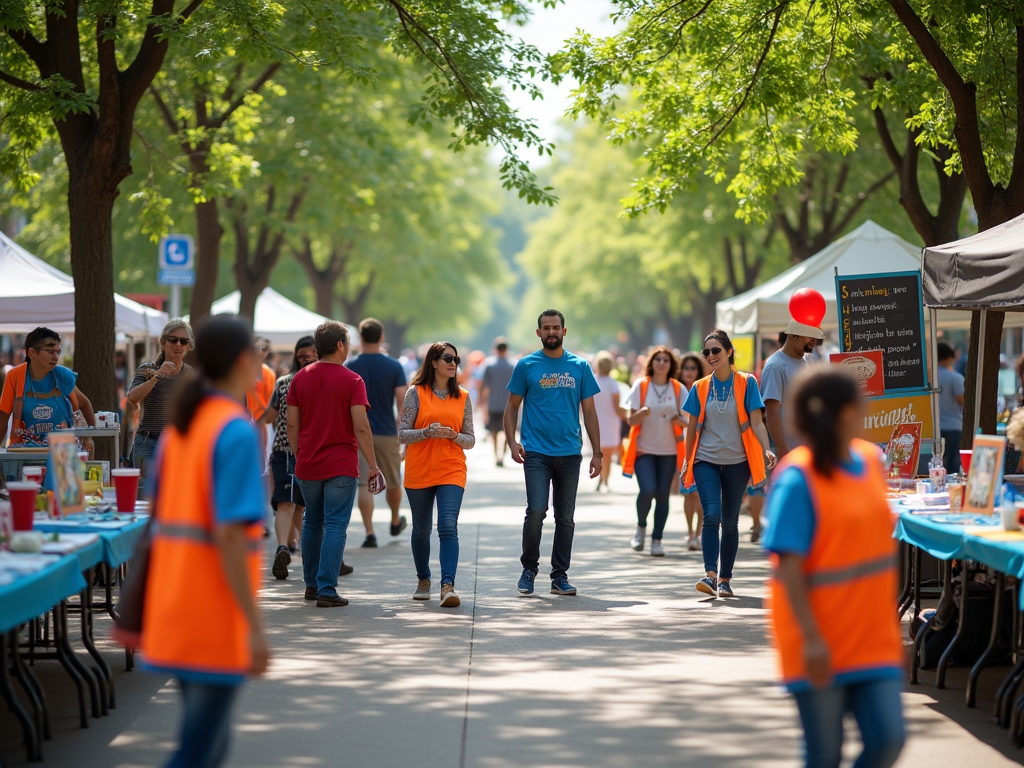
<point>176,252</point>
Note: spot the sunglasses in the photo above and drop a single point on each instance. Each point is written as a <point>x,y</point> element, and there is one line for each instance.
<point>712,351</point>
<point>48,350</point>
<point>183,340</point>
<point>451,359</point>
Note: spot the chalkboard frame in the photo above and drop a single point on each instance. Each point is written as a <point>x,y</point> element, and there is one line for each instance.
<point>920,301</point>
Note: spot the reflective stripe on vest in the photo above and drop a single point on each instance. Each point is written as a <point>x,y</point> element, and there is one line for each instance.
<point>827,578</point>
<point>195,533</point>
<point>629,454</point>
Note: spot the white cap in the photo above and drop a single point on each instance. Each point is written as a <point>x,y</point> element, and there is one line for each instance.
<point>799,329</point>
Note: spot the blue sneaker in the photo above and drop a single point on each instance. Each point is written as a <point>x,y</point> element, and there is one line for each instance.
<point>561,586</point>
<point>708,585</point>
<point>526,582</point>
<point>724,590</point>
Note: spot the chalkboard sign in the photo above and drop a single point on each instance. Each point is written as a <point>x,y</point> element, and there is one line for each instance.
<point>885,312</point>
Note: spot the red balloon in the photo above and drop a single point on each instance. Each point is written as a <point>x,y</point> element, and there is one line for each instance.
<point>807,306</point>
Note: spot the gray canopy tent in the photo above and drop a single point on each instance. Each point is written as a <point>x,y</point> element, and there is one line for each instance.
<point>978,273</point>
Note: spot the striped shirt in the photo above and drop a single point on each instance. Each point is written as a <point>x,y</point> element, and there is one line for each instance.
<point>156,406</point>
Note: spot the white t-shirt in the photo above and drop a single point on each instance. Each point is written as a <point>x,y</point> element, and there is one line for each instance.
<point>656,434</point>
<point>608,421</point>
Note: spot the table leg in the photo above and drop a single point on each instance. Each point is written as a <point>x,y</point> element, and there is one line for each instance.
<point>33,690</point>
<point>916,567</point>
<point>940,670</point>
<point>33,744</point>
<point>1004,695</point>
<point>947,589</point>
<point>997,625</point>
<point>71,668</point>
<point>906,579</point>
<point>102,668</point>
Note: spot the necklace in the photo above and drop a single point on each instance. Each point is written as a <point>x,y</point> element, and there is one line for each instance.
<point>441,393</point>
<point>661,394</point>
<point>722,400</point>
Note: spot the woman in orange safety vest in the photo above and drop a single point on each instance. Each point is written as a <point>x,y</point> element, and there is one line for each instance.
<point>201,624</point>
<point>726,445</point>
<point>830,533</point>
<point>655,447</point>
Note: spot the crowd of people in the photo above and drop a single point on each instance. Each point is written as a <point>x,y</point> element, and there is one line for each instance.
<point>336,430</point>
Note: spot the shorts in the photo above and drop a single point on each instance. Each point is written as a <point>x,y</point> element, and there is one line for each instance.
<point>686,491</point>
<point>494,421</point>
<point>286,489</point>
<point>389,461</point>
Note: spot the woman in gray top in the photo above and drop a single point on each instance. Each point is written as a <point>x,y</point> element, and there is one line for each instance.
<point>154,387</point>
<point>723,408</point>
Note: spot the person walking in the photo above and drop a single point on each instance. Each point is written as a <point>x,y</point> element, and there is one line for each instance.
<point>494,396</point>
<point>726,446</point>
<point>327,427</point>
<point>691,368</point>
<point>154,387</point>
<point>610,414</point>
<point>829,530</point>
<point>385,386</point>
<point>655,447</point>
<point>437,427</point>
<point>779,370</point>
<point>551,385</point>
<point>201,622</point>
<point>951,407</point>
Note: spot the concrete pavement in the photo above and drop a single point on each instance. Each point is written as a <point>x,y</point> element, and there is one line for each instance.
<point>638,670</point>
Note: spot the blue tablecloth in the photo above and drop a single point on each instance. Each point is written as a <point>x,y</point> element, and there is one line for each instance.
<point>118,543</point>
<point>33,595</point>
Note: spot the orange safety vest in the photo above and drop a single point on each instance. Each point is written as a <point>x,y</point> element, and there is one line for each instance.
<point>257,397</point>
<point>433,462</point>
<point>192,620</point>
<point>18,376</point>
<point>629,456</point>
<point>751,445</point>
<point>850,570</point>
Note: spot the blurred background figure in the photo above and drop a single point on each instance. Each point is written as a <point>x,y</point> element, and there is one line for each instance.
<point>497,372</point>
<point>610,414</point>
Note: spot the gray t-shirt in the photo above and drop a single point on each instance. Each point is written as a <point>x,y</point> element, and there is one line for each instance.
<point>778,371</point>
<point>951,413</point>
<point>720,439</point>
<point>496,378</point>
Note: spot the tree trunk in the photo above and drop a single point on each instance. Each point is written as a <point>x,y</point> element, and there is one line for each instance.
<point>208,236</point>
<point>396,333</point>
<point>990,391</point>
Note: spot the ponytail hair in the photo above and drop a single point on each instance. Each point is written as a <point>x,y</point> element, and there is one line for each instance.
<point>815,400</point>
<point>218,345</point>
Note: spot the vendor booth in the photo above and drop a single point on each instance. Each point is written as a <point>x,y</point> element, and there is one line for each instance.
<point>281,321</point>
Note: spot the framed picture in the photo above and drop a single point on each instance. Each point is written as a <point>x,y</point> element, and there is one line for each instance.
<point>67,473</point>
<point>866,366</point>
<point>985,474</point>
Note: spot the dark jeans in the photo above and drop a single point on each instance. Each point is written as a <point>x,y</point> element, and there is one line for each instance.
<point>875,706</point>
<point>206,726</point>
<point>143,450</point>
<point>544,474</point>
<point>325,530</point>
<point>951,456</point>
<point>655,475</point>
<point>449,502</point>
<point>721,488</point>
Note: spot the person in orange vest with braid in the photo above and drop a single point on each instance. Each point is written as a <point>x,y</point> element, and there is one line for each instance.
<point>829,530</point>
<point>654,450</point>
<point>201,622</point>
<point>726,445</point>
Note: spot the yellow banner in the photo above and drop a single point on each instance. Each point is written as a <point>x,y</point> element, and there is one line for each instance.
<point>884,413</point>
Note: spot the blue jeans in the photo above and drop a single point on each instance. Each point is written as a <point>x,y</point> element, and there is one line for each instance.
<point>721,487</point>
<point>875,706</point>
<point>655,475</point>
<point>206,727</point>
<point>421,502</point>
<point>544,474</point>
<point>324,530</point>
<point>143,450</point>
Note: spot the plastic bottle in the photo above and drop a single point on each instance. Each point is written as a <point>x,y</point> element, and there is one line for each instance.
<point>1008,509</point>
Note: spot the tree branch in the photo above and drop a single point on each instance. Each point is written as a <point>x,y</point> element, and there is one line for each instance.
<point>17,82</point>
<point>150,56</point>
<point>861,199</point>
<point>35,49</point>
<point>188,10</point>
<point>165,111</point>
<point>258,83</point>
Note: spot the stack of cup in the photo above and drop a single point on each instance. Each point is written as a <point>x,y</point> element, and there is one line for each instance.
<point>34,474</point>
<point>126,487</point>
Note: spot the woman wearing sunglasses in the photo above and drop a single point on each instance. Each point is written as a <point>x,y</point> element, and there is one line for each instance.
<point>154,387</point>
<point>726,445</point>
<point>437,427</point>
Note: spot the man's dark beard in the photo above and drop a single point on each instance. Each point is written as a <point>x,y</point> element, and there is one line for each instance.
<point>548,344</point>
<point>809,348</point>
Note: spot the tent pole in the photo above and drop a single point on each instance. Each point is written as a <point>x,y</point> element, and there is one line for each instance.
<point>979,371</point>
<point>933,375</point>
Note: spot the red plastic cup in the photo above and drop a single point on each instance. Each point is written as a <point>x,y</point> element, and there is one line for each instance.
<point>23,503</point>
<point>965,459</point>
<point>126,487</point>
<point>33,474</point>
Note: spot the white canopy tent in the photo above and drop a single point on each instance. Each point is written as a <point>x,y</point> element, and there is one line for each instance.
<point>33,293</point>
<point>866,250</point>
<point>278,319</point>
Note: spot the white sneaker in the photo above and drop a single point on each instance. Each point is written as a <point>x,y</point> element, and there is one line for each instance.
<point>693,544</point>
<point>656,549</point>
<point>637,542</point>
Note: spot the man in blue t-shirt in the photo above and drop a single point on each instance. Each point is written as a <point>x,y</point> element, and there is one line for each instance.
<point>551,385</point>
<point>385,385</point>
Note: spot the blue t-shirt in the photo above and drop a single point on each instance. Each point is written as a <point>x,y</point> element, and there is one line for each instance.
<point>382,377</point>
<point>46,406</point>
<point>751,400</point>
<point>238,495</point>
<point>552,389</point>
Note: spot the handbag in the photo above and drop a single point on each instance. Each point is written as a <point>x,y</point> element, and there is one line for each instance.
<point>130,608</point>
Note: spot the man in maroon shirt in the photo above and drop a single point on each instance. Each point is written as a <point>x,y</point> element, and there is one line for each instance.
<point>327,427</point>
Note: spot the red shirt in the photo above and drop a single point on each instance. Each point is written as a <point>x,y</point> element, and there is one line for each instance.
<point>324,393</point>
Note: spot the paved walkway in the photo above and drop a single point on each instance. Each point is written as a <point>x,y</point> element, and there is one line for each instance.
<point>639,670</point>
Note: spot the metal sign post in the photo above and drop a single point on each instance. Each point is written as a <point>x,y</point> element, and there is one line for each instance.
<point>176,262</point>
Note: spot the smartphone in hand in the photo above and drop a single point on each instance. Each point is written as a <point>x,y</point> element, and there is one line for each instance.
<point>377,483</point>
